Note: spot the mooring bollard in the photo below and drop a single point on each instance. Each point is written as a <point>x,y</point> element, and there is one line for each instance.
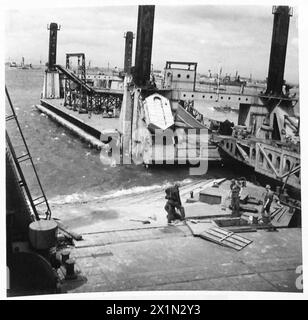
<point>70,269</point>
<point>52,255</point>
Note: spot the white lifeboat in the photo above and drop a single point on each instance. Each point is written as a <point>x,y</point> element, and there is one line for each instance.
<point>158,114</point>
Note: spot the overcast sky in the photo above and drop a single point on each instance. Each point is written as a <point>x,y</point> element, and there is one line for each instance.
<point>235,37</point>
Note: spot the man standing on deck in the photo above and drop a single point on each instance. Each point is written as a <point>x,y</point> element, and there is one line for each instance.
<point>228,197</point>
<point>235,198</point>
<point>173,203</point>
<point>266,210</point>
<point>232,184</point>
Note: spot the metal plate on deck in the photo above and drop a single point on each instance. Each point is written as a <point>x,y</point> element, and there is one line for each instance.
<point>282,217</point>
<point>210,196</point>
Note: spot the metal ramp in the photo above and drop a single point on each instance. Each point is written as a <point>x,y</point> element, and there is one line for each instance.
<point>282,216</point>
<point>86,98</point>
<point>190,120</point>
<point>74,78</point>
<point>41,199</point>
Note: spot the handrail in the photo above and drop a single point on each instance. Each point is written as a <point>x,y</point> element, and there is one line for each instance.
<point>17,163</point>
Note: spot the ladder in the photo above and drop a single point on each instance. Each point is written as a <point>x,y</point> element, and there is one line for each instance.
<point>41,199</point>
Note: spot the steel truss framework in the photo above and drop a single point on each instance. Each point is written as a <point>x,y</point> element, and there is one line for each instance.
<point>91,100</point>
<point>105,103</point>
<point>75,95</point>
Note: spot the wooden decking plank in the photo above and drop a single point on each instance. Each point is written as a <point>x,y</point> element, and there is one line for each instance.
<point>218,240</point>
<point>209,236</point>
<point>225,238</point>
<point>235,242</point>
<point>235,236</point>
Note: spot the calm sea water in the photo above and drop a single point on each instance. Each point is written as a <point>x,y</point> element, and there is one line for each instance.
<point>68,169</point>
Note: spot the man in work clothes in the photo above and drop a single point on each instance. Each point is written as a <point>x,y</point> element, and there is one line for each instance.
<point>232,184</point>
<point>228,197</point>
<point>235,199</point>
<point>173,203</point>
<point>266,210</point>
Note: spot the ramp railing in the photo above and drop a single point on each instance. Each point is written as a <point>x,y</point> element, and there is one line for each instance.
<point>41,199</point>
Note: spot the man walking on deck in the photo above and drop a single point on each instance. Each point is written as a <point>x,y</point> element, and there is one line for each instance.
<point>173,203</point>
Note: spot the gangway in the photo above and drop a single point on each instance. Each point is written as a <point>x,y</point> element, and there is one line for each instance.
<point>41,199</point>
<point>87,98</point>
<point>189,119</point>
<point>68,73</point>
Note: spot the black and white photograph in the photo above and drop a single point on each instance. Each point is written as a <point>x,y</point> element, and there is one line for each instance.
<point>152,148</point>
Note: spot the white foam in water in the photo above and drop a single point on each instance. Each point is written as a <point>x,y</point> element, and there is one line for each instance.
<point>87,197</point>
<point>105,160</point>
<point>113,163</point>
